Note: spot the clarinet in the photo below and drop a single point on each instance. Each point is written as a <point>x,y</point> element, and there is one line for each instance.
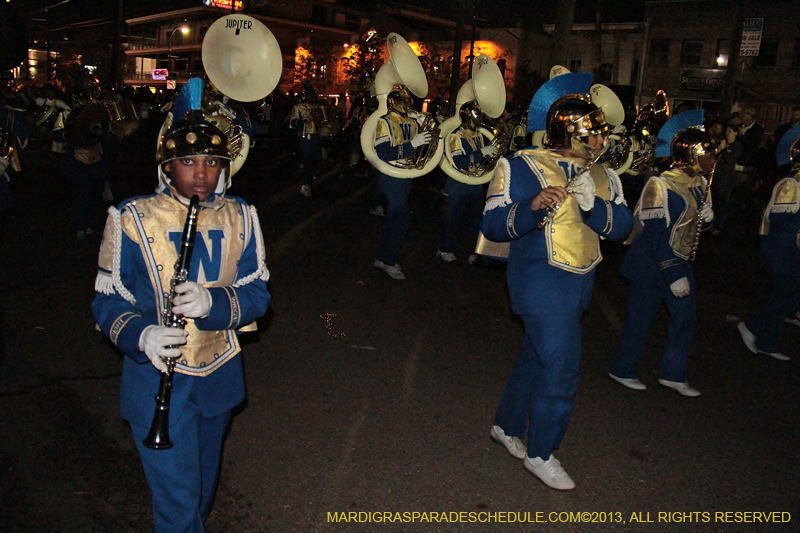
<point>551,211</point>
<point>699,228</point>
<point>158,437</point>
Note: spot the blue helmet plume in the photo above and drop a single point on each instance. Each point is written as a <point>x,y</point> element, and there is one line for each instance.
<point>687,119</point>
<point>552,90</point>
<point>189,98</point>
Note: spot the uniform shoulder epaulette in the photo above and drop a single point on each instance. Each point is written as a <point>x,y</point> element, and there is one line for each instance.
<point>785,196</point>
<point>653,202</point>
<point>498,194</point>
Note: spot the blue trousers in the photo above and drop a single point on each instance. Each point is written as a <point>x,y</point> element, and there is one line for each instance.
<point>183,479</point>
<point>398,216</point>
<point>86,180</point>
<point>541,389</point>
<point>644,300</point>
<point>310,153</point>
<point>767,322</point>
<point>465,201</point>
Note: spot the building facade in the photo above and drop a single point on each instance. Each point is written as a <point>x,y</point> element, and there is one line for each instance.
<point>694,53</point>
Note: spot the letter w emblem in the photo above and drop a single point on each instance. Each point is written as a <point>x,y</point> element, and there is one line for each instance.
<point>206,263</point>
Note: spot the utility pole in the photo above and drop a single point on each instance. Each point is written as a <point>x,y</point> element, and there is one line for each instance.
<point>733,60</point>
<point>115,52</point>
<point>455,73</point>
<point>562,33</point>
<point>47,22</point>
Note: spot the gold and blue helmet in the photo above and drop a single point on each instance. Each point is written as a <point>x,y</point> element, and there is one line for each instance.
<point>563,108</point>
<point>400,100</point>
<point>683,139</point>
<point>191,134</point>
<point>788,150</point>
<point>471,115</point>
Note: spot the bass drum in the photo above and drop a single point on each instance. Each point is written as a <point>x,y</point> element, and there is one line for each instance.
<point>123,117</point>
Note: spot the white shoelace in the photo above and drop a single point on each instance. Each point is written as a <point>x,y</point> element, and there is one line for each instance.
<point>554,467</point>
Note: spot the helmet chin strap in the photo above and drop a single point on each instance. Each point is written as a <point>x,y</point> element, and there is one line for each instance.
<point>581,148</point>
<point>218,200</point>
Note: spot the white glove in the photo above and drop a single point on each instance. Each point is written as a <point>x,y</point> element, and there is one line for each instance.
<point>193,300</point>
<point>583,191</point>
<point>159,341</point>
<point>707,214</point>
<point>421,138</point>
<point>489,151</point>
<point>680,288</point>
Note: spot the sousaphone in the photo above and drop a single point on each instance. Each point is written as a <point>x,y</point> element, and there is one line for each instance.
<point>489,90</point>
<point>243,61</point>
<point>403,68</point>
<point>619,153</point>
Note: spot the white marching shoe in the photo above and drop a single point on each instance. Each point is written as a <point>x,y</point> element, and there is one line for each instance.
<point>513,444</point>
<point>683,388</point>
<point>550,472</point>
<point>631,383</point>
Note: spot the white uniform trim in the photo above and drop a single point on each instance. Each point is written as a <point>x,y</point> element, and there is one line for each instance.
<point>498,200</point>
<point>109,284</point>
<point>616,186</point>
<point>262,272</point>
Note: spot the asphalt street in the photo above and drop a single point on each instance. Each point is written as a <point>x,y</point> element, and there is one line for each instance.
<point>371,398</point>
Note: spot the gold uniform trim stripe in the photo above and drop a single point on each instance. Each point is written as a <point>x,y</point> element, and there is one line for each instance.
<point>669,263</point>
<point>609,217</point>
<point>235,307</point>
<point>119,324</point>
<point>512,215</point>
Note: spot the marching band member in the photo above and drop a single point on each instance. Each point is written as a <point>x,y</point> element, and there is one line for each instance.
<point>302,120</point>
<point>779,255</point>
<point>658,262</point>
<point>51,112</point>
<point>551,265</point>
<point>14,134</point>
<point>520,137</point>
<point>225,294</point>
<point>88,146</point>
<point>396,137</point>
<point>464,200</point>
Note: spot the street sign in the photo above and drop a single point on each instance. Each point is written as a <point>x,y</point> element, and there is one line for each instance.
<point>160,73</point>
<point>703,79</point>
<point>170,84</point>
<point>225,4</point>
<point>751,37</point>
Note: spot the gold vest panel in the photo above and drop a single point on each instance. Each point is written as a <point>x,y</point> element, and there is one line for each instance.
<point>153,220</point>
<point>691,190</point>
<point>571,245</point>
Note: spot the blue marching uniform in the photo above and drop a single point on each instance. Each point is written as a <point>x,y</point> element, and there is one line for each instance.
<point>393,135</point>
<point>464,200</point>
<point>302,120</point>
<point>779,256</point>
<point>550,278</point>
<point>659,256</point>
<point>140,246</point>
